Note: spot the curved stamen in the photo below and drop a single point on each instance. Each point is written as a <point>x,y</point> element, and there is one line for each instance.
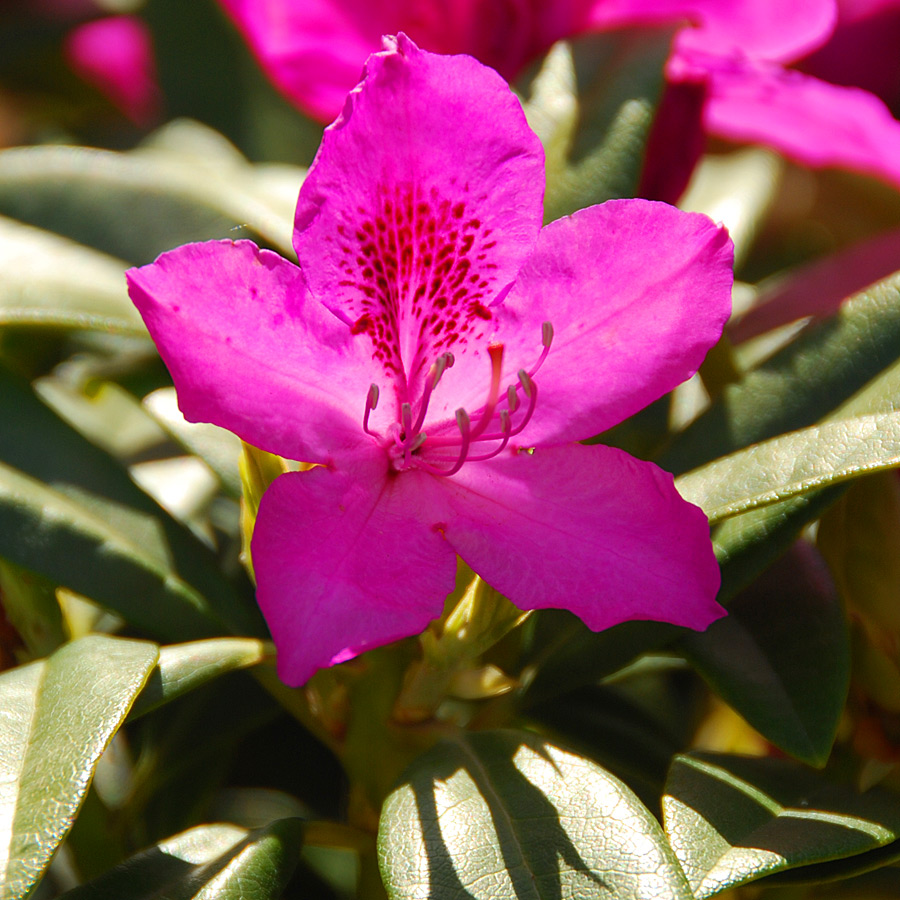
<point>462,421</point>
<point>530,388</point>
<point>505,430</point>
<point>371,403</point>
<point>441,364</point>
<point>546,340</point>
<point>495,351</point>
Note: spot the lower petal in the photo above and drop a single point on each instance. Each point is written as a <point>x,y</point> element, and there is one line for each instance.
<point>588,529</point>
<point>346,561</point>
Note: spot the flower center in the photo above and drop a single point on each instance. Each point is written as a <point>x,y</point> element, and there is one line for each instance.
<point>476,437</point>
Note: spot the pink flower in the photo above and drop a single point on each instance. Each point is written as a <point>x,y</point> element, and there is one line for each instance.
<point>738,53</point>
<point>439,354</point>
<point>115,55</point>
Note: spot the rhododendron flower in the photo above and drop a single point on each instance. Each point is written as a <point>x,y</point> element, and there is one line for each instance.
<point>438,355</point>
<point>731,62</point>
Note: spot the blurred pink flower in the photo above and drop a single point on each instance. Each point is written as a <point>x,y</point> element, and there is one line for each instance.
<point>730,70</point>
<point>439,355</point>
<point>115,55</point>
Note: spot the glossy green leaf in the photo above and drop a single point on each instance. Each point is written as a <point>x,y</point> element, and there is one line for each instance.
<point>794,464</point>
<point>184,667</point>
<point>781,657</point>
<point>57,717</point>
<point>593,105</point>
<point>218,448</point>
<point>732,820</point>
<point>100,534</point>
<point>49,281</point>
<point>801,384</point>
<point>136,205</point>
<point>505,814</point>
<point>77,545</point>
<point>210,862</point>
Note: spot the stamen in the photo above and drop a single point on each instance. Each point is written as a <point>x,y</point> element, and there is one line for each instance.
<point>546,340</point>
<point>371,403</point>
<point>441,364</point>
<point>506,433</point>
<point>464,425</point>
<point>495,351</point>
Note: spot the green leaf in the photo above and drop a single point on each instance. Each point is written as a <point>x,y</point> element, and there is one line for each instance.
<point>210,862</point>
<point>781,658</point>
<point>801,384</point>
<point>218,448</point>
<point>77,546</point>
<point>505,814</point>
<point>794,464</point>
<point>184,667</point>
<point>136,205</point>
<point>100,534</point>
<point>49,281</point>
<point>732,820</point>
<point>58,716</point>
<point>593,104</point>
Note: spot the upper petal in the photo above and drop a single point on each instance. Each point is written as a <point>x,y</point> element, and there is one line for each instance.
<point>346,560</point>
<point>816,123</point>
<point>423,201</point>
<point>637,292</point>
<point>588,529</point>
<point>763,29</point>
<point>250,350</point>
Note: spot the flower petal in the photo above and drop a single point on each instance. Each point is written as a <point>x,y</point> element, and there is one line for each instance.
<point>766,29</point>
<point>423,201</point>
<point>816,123</point>
<point>345,561</point>
<point>249,349</point>
<point>588,529</point>
<point>637,292</point>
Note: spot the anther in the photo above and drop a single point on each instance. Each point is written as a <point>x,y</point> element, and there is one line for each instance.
<point>546,340</point>
<point>371,403</point>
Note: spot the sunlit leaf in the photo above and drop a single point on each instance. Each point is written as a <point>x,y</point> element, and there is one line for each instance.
<point>801,384</point>
<point>505,814</point>
<point>210,862</point>
<point>732,820</point>
<point>136,205</point>
<point>794,464</point>
<point>183,667</point>
<point>49,281</point>
<point>57,716</point>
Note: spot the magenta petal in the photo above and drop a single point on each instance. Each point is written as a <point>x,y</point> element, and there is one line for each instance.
<point>115,55</point>
<point>588,529</point>
<point>766,29</point>
<point>249,349</point>
<point>346,561</point>
<point>637,292</point>
<point>423,201</point>
<point>313,50</point>
<point>816,123</point>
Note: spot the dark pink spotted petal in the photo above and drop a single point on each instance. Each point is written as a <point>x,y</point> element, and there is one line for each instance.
<point>346,561</point>
<point>422,203</point>
<point>588,529</point>
<point>249,349</point>
<point>637,292</point>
